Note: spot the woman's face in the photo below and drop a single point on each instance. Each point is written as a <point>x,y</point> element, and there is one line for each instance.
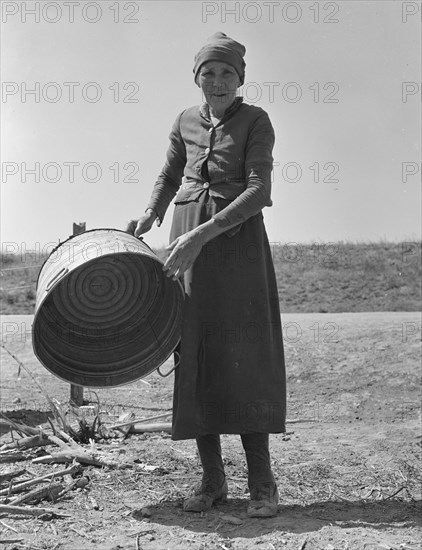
<point>219,82</point>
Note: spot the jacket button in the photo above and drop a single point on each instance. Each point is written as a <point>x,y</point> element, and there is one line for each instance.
<point>206,185</point>
<point>207,150</point>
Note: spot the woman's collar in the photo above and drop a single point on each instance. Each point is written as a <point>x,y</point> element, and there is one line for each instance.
<point>204,109</point>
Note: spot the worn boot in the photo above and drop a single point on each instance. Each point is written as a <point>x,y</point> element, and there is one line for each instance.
<point>262,485</point>
<point>213,487</point>
<point>264,500</point>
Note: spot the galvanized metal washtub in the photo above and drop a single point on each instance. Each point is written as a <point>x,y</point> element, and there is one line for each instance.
<point>105,312</point>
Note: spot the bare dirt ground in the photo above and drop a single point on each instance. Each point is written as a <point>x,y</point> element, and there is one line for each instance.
<point>348,468</point>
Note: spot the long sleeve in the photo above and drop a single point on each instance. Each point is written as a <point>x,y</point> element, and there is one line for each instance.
<point>258,167</point>
<point>170,178</point>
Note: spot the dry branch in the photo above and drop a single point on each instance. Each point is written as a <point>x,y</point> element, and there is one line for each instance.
<point>153,427</point>
<point>20,428</point>
<point>69,455</point>
<point>11,456</point>
<point>27,443</point>
<point>299,420</point>
<point>38,437</point>
<point>135,420</point>
<point>51,492</point>
<point>29,511</point>
<point>66,437</point>
<point>47,477</point>
<point>64,446</point>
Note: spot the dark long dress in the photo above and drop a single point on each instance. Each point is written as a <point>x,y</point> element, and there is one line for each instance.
<point>231,377</point>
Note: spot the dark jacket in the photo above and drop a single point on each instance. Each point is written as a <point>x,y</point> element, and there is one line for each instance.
<point>231,161</point>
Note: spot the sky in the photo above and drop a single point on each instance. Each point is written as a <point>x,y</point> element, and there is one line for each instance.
<point>339,80</point>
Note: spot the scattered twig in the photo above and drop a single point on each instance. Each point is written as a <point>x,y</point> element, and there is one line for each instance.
<point>369,493</point>
<point>394,494</point>
<point>126,421</point>
<point>60,417</point>
<point>161,408</point>
<point>53,427</point>
<point>80,533</point>
<point>8,526</point>
<point>94,503</point>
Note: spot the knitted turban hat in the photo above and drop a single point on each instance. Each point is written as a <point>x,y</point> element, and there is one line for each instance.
<point>220,47</point>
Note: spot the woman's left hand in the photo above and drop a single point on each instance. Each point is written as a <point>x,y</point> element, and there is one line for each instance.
<point>185,249</point>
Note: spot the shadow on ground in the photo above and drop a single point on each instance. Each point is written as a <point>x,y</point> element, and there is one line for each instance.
<point>290,519</point>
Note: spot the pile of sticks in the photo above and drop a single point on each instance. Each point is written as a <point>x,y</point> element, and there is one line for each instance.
<point>50,487</point>
<point>63,435</point>
<point>69,450</point>
<point>20,496</point>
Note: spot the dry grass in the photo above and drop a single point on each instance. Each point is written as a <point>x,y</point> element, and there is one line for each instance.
<point>349,277</point>
<point>319,277</point>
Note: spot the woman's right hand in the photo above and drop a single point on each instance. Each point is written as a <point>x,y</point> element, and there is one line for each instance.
<point>144,224</point>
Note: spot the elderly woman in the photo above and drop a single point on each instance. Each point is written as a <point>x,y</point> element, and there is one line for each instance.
<point>231,376</point>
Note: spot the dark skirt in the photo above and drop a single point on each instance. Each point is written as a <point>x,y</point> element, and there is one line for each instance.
<point>231,377</point>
